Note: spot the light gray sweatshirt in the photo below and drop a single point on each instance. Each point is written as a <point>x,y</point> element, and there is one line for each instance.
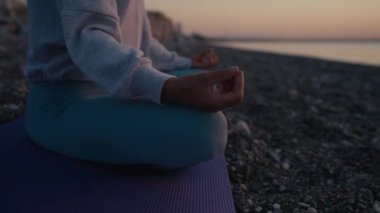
<point>108,42</point>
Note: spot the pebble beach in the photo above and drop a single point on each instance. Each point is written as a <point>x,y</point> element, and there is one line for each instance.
<point>306,138</point>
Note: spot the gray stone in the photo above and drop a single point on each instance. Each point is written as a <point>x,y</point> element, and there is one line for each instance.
<point>274,155</point>
<point>13,107</point>
<point>312,210</point>
<point>282,188</point>
<point>285,166</point>
<point>376,142</point>
<point>303,204</point>
<point>243,187</point>
<point>276,206</point>
<point>258,209</point>
<point>376,206</point>
<point>242,127</point>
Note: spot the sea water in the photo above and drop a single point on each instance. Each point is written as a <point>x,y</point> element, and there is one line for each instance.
<point>360,52</point>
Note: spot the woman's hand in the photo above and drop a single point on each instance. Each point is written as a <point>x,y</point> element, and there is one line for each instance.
<point>205,59</point>
<point>199,90</point>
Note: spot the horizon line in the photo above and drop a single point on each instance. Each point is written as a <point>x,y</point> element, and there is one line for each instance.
<point>274,39</point>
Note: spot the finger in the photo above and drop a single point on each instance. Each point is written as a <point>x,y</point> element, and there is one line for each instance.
<point>219,76</point>
<point>227,99</point>
<point>211,51</point>
<point>211,58</point>
<point>228,86</point>
<point>230,98</point>
<point>239,82</point>
<point>208,52</point>
<point>200,55</point>
<point>214,59</point>
<point>233,96</point>
<point>239,85</point>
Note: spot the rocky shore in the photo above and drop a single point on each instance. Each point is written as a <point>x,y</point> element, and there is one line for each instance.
<point>306,138</point>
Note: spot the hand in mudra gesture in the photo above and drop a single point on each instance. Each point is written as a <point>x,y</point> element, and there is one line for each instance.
<point>199,90</point>
<point>205,59</point>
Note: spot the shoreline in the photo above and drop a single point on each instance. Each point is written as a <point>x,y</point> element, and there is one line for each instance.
<point>295,54</point>
<point>306,138</point>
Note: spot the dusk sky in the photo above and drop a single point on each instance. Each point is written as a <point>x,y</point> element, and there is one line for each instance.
<point>275,18</point>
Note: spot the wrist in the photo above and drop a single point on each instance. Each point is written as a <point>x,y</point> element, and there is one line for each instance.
<point>167,95</point>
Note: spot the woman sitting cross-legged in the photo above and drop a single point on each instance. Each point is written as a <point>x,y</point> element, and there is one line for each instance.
<point>103,89</point>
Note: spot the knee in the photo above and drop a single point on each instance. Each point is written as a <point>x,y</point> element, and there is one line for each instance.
<point>199,137</point>
<point>216,139</point>
<point>210,141</point>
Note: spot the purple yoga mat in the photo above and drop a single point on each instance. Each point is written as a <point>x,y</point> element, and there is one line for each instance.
<point>33,179</point>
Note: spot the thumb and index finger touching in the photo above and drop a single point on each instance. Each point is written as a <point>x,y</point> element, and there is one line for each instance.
<point>208,57</point>
<point>219,76</point>
<point>235,95</point>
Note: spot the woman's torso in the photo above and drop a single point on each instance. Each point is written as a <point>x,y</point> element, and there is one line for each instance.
<point>48,58</point>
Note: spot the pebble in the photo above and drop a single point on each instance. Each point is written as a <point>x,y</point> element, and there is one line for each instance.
<point>276,182</point>
<point>376,142</point>
<point>351,201</point>
<point>274,155</point>
<point>376,206</point>
<point>282,188</point>
<point>12,107</point>
<point>243,186</point>
<point>312,210</point>
<point>308,197</point>
<point>286,166</point>
<point>243,127</point>
<point>276,206</point>
<point>249,201</point>
<point>357,178</point>
<point>258,209</point>
<point>303,204</point>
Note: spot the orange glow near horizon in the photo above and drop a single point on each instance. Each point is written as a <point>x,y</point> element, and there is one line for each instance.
<point>351,19</point>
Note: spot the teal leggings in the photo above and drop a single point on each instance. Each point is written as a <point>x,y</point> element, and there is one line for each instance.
<point>78,119</point>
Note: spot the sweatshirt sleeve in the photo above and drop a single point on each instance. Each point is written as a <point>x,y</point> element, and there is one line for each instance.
<point>93,38</point>
<point>161,57</point>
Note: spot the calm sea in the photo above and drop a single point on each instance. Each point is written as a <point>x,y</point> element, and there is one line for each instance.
<point>353,52</point>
